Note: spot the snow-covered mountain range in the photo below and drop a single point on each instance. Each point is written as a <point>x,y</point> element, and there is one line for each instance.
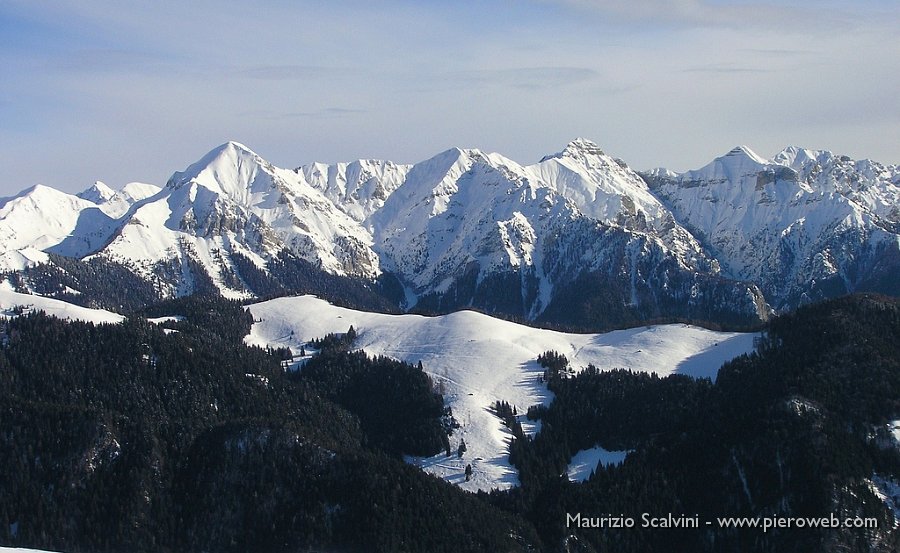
<point>576,237</point>
<point>804,225</point>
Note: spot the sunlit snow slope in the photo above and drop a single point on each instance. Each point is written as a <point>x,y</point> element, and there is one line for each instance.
<point>479,360</point>
<point>10,300</point>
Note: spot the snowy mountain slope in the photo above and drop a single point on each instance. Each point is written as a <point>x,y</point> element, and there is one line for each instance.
<point>464,223</point>
<point>578,232</point>
<point>455,209</point>
<point>805,225</point>
<point>10,300</point>
<point>116,203</point>
<point>603,188</point>
<point>453,229</point>
<point>42,219</point>
<point>233,201</point>
<point>98,193</point>
<point>478,360</point>
<point>359,188</point>
<point>872,185</point>
<point>273,200</point>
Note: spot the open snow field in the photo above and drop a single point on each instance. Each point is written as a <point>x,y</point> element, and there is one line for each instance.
<point>585,461</point>
<point>58,308</point>
<point>478,360</point>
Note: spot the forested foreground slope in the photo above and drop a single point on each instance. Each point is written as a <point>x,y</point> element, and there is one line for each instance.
<point>133,437</point>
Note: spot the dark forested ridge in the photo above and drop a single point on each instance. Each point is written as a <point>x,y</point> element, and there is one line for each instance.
<point>133,437</point>
<point>797,429</point>
<point>592,302</point>
<point>125,437</point>
<point>98,282</point>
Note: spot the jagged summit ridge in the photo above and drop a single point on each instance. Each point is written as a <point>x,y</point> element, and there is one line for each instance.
<point>98,193</point>
<point>471,228</point>
<point>804,225</point>
<point>578,148</point>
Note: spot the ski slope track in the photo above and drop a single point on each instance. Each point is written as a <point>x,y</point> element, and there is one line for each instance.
<point>477,360</point>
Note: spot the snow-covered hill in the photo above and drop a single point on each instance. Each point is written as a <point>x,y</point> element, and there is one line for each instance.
<point>477,360</point>
<point>41,219</point>
<point>116,203</point>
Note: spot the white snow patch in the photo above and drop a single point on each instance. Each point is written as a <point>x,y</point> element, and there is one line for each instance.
<point>9,300</point>
<point>264,380</point>
<point>479,360</point>
<point>802,406</point>
<point>888,491</point>
<point>167,319</point>
<point>894,429</point>
<point>22,550</point>
<point>17,260</point>
<point>586,461</point>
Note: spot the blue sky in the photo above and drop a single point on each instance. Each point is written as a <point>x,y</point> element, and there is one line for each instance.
<point>94,91</point>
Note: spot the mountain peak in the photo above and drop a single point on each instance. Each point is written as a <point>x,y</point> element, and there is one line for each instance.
<point>456,153</point>
<point>583,144</point>
<point>225,169</point>
<point>136,191</point>
<point>745,153</point>
<point>452,161</point>
<point>794,156</point>
<point>229,153</point>
<point>98,193</point>
<point>577,149</point>
<point>41,191</point>
<point>232,146</point>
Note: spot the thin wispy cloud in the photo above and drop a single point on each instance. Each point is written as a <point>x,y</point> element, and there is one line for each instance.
<point>324,113</point>
<point>779,52</point>
<point>291,72</point>
<point>821,15</point>
<point>718,68</point>
<point>95,90</point>
<point>524,77</point>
